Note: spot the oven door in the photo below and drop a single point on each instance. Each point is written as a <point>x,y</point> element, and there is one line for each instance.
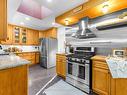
<point>83,73</point>
<point>69,68</point>
<point>79,72</point>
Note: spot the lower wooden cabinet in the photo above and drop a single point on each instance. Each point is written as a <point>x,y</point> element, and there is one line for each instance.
<point>102,81</point>
<point>31,56</point>
<point>61,65</point>
<point>14,81</point>
<point>37,58</point>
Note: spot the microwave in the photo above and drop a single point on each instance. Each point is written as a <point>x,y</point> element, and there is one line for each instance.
<point>119,53</point>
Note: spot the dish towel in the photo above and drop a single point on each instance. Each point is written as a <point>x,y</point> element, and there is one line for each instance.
<point>118,67</point>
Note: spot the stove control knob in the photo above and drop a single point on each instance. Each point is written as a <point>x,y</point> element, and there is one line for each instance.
<point>87,61</point>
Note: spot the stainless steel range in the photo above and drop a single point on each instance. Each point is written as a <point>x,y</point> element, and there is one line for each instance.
<point>79,69</point>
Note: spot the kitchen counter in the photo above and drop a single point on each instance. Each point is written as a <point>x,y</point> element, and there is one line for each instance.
<point>99,58</point>
<point>10,61</point>
<point>27,52</point>
<point>102,80</point>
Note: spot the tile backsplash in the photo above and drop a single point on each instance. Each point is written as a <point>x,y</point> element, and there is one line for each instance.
<point>23,48</point>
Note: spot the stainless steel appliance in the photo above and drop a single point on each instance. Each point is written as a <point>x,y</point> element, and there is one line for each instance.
<point>48,52</point>
<point>79,68</point>
<point>84,30</point>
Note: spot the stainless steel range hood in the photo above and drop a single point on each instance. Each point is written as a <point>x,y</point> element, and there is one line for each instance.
<point>84,32</point>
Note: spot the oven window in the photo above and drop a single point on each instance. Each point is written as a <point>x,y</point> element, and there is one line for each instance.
<point>81,73</point>
<point>70,68</point>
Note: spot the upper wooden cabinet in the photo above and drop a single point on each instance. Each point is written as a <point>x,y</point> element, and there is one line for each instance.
<point>91,9</point>
<point>3,19</point>
<point>32,37</point>
<point>17,35</point>
<point>8,40</point>
<point>50,33</point>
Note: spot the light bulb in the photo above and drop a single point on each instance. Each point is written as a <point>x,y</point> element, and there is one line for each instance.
<point>105,9</point>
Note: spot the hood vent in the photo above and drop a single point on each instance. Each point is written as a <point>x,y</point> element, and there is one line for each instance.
<point>84,32</point>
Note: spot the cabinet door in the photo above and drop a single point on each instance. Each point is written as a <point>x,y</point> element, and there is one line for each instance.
<point>5,83</point>
<point>19,80</point>
<point>58,68</point>
<point>30,37</point>
<point>54,33</point>
<point>16,35</point>
<point>8,41</point>
<point>101,81</point>
<point>36,37</point>
<point>3,19</point>
<point>118,86</point>
<point>23,36</point>
<point>37,57</point>
<point>63,68</point>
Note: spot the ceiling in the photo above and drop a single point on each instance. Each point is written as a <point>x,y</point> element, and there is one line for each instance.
<point>56,7</point>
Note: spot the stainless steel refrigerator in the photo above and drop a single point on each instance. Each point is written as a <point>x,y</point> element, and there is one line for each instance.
<point>48,52</point>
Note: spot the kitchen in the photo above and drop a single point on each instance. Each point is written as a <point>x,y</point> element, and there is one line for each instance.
<point>77,48</point>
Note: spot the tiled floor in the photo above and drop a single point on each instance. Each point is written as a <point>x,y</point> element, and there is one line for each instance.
<point>38,77</point>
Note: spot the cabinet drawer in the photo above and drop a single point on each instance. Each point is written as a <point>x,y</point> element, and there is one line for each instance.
<point>100,64</point>
<point>61,58</point>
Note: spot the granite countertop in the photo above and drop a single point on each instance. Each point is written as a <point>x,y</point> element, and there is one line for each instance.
<point>10,61</point>
<point>27,52</point>
<point>99,58</point>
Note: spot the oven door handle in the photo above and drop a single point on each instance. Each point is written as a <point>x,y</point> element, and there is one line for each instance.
<point>75,63</point>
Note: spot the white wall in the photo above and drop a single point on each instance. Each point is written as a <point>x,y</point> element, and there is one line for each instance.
<point>61,39</point>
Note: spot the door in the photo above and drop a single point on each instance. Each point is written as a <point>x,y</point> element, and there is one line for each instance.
<point>69,68</point>
<point>118,86</point>
<point>8,41</point>
<point>37,57</point>
<point>16,35</point>
<point>51,53</point>
<point>43,61</point>
<point>23,36</point>
<point>101,81</point>
<point>44,47</point>
<point>3,19</point>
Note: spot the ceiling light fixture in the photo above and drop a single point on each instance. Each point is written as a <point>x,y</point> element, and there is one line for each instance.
<point>22,23</point>
<point>49,1</point>
<point>67,22</point>
<point>105,8</point>
<point>53,23</point>
<point>27,18</point>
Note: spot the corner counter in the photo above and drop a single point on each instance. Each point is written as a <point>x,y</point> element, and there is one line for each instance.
<point>102,81</point>
<point>13,75</point>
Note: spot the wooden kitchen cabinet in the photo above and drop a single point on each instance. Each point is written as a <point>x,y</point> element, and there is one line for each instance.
<point>50,33</point>
<point>23,36</point>
<point>8,40</point>
<point>3,19</point>
<point>36,37</point>
<point>14,81</point>
<point>37,60</point>
<point>61,65</point>
<point>32,37</point>
<point>102,81</point>
<point>33,57</point>
<point>17,35</point>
